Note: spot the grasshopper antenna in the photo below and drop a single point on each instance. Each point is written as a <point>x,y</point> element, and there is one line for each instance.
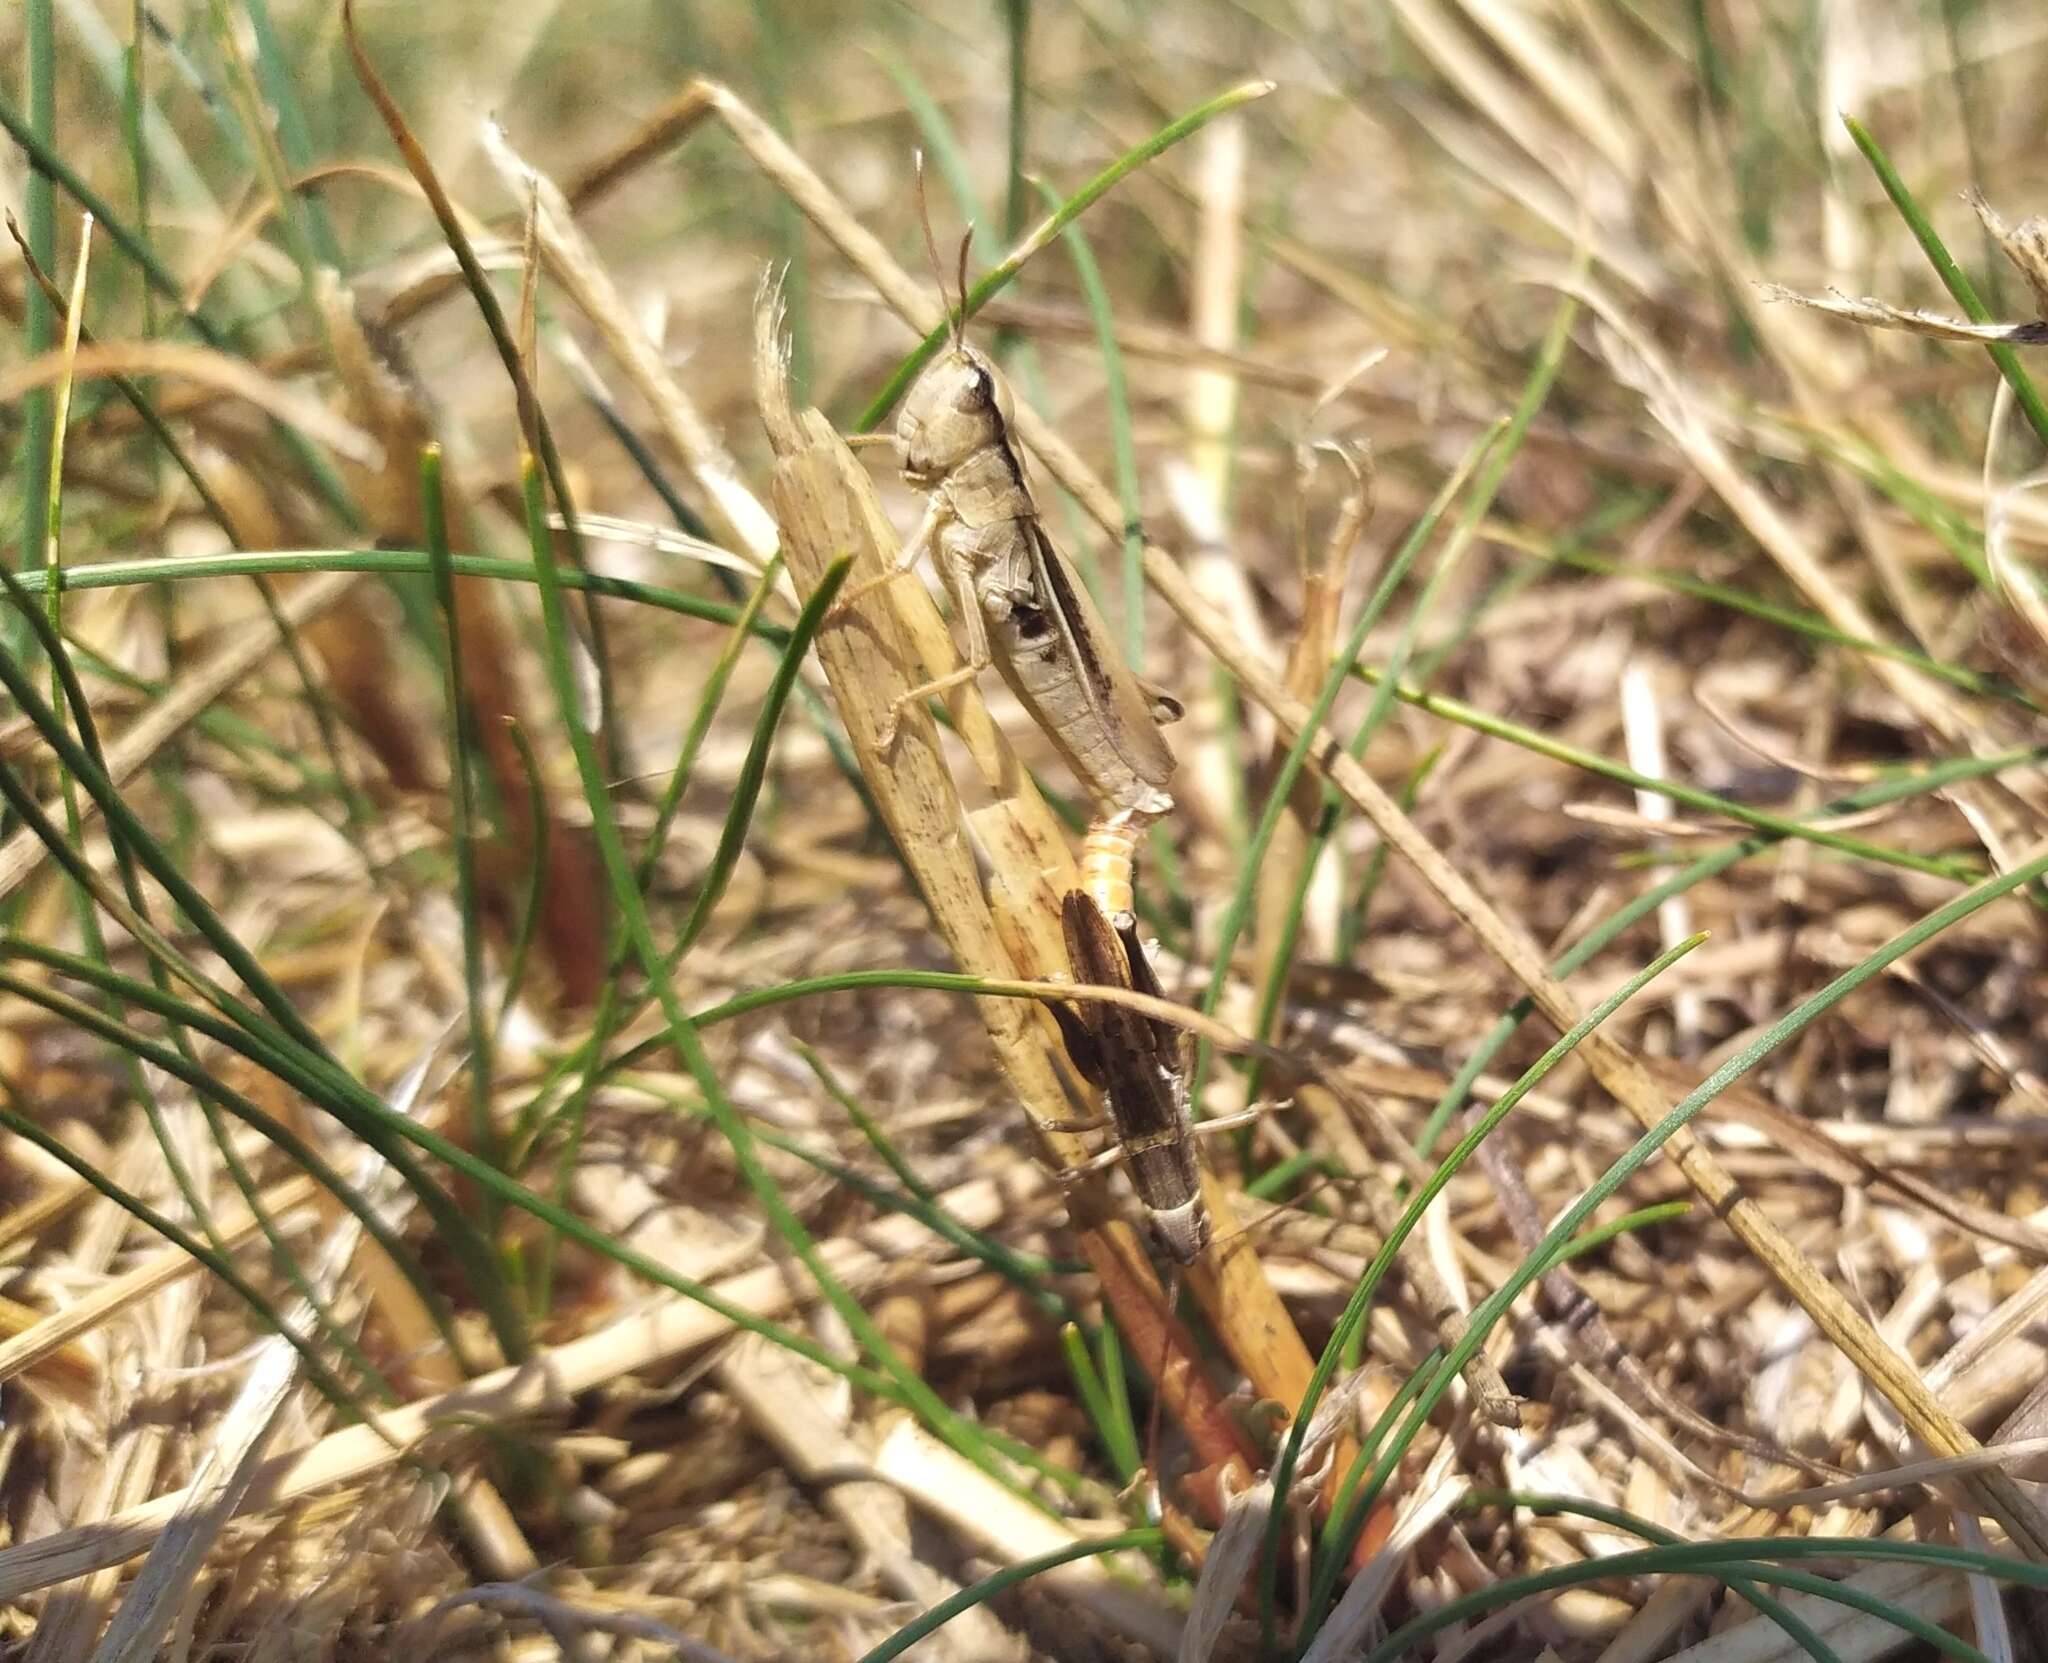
<point>957,320</point>
<point>960,327</point>
<point>1171,1295</point>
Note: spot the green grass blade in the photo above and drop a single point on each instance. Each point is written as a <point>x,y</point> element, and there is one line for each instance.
<point>1794,1022</point>
<point>538,831</point>
<point>1238,913</point>
<point>1029,1273</point>
<point>1017,189</point>
<point>1788,1622</point>
<point>1492,462</point>
<point>990,1586</point>
<point>681,1032</point>
<point>615,1009</point>
<point>25,1128</point>
<point>66,692</point>
<point>311,688</point>
<point>1938,518</point>
<point>261,125</point>
<point>1954,869</point>
<point>1375,1440</point>
<point>1116,1389</point>
<point>1341,1529</point>
<point>1616,1518</point>
<point>39,330</point>
<point>1351,926</point>
<point>1277,1179</point>
<point>288,1039</point>
<point>180,1065</point>
<point>877,1139</point>
<point>39,324</point>
<point>746,789</point>
<point>811,987</point>
<point>773,72</point>
<point>134,111</point>
<point>1792,618</point>
<point>280,89</point>
<point>114,574</point>
<point>1953,278</point>
<point>1011,348</point>
<point>534,426</point>
<point>49,165</point>
<point>1535,394</point>
<point>1123,446</point>
<point>942,145</point>
<point>1642,1218</point>
<point>810,701</point>
<point>123,822</point>
<point>1709,865</point>
<point>371,1119</point>
<point>1070,210</point>
<point>1123,1452</point>
<point>1752,1558</point>
<point>462,749</point>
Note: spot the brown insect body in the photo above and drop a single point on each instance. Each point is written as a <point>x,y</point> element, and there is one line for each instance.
<point>1141,1066</point>
<point>1034,617</point>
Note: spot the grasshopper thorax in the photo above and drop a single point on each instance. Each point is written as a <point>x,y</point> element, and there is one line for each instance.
<point>958,408</point>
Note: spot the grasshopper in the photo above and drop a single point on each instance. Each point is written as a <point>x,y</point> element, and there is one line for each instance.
<point>1024,611</point>
<point>1020,604</point>
<point>1140,1064</point>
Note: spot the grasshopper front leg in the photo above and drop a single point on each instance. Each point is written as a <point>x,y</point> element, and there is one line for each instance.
<point>924,538</point>
<point>960,583</point>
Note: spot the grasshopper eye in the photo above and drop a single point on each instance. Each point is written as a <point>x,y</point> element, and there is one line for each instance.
<point>980,392</point>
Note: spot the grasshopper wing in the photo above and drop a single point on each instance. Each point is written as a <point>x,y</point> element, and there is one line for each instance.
<point>1124,709</point>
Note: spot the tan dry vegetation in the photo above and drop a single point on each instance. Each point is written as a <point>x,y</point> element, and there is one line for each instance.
<point>1325,297</point>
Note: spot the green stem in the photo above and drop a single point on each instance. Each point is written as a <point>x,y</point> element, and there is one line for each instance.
<point>1953,278</point>
<point>114,574</point>
<point>1455,710</point>
<point>1123,446</point>
<point>462,746</point>
<point>40,330</point>
<point>989,1586</point>
<point>1051,226</point>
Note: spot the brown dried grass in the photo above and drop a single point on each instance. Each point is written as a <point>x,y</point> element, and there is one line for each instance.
<point>1862,1284</point>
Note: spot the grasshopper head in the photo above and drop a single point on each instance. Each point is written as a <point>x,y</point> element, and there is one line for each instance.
<point>1182,1232</point>
<point>959,406</point>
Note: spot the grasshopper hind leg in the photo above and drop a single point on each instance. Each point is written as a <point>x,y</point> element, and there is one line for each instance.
<point>886,735</point>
